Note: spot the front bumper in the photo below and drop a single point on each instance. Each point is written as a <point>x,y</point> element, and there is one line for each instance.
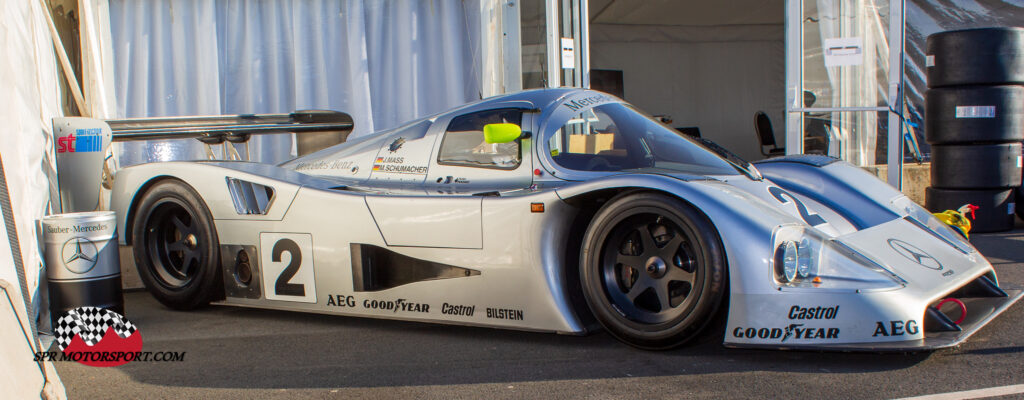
<point>981,311</point>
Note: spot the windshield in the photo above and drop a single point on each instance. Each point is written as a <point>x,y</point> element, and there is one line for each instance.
<point>617,137</point>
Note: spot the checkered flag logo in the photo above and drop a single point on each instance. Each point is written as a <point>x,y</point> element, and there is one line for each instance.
<point>90,323</point>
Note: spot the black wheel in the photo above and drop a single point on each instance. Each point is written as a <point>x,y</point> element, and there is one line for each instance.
<point>976,166</point>
<point>1019,199</point>
<point>986,56</point>
<point>176,247</point>
<point>974,115</point>
<point>652,270</point>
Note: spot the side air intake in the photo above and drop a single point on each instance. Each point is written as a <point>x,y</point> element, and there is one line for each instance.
<point>376,268</point>
<point>250,198</point>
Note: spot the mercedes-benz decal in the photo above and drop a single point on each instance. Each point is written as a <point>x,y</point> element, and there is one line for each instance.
<point>79,255</point>
<point>915,254</point>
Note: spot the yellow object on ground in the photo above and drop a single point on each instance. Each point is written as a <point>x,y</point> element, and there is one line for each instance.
<point>958,218</point>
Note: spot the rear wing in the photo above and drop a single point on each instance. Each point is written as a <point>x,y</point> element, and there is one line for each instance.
<point>80,144</point>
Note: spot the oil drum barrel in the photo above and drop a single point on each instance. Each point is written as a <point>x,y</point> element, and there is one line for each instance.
<point>82,262</point>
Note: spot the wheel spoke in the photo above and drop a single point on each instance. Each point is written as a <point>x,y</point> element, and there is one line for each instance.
<point>182,227</point>
<point>670,249</point>
<point>647,240</point>
<point>641,285</point>
<point>631,261</point>
<point>187,264</point>
<point>661,289</point>
<point>177,246</point>
<point>678,274</point>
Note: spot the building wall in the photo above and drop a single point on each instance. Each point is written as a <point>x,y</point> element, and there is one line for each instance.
<point>714,78</point>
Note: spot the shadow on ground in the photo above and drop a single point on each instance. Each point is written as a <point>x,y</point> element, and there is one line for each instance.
<point>229,347</point>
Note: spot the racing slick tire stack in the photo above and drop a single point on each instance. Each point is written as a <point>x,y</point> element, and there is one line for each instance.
<point>974,120</point>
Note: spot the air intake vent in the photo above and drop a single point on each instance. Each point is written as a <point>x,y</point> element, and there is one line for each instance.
<point>250,198</point>
<point>376,268</point>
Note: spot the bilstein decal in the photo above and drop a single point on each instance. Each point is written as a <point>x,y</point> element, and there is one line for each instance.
<point>505,313</point>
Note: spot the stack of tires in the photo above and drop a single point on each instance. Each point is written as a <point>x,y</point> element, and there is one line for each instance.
<point>974,120</point>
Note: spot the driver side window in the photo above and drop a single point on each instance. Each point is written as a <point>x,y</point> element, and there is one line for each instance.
<point>464,144</point>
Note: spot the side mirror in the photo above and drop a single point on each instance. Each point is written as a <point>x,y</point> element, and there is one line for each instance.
<point>502,133</point>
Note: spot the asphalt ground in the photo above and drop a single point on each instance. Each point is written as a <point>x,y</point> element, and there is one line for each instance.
<point>255,354</point>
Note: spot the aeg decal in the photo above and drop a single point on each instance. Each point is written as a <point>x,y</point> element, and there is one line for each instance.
<point>82,141</point>
<point>338,300</point>
<point>896,328</point>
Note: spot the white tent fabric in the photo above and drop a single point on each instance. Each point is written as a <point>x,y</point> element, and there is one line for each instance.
<point>97,59</point>
<point>229,57</point>
<point>28,77</point>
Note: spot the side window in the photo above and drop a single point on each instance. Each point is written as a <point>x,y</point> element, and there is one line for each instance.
<point>464,144</point>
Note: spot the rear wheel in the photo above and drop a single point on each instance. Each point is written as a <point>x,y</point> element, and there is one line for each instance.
<point>652,270</point>
<point>176,246</point>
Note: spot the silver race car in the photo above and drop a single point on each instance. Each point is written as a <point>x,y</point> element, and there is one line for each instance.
<point>550,210</point>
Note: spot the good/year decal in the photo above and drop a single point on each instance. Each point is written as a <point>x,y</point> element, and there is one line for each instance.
<point>287,261</point>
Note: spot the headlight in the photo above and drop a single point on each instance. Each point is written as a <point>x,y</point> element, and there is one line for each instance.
<point>787,256</point>
<point>806,258</point>
<point>925,220</point>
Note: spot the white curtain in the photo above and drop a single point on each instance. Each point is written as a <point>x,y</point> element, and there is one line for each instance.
<point>28,79</point>
<point>383,62</point>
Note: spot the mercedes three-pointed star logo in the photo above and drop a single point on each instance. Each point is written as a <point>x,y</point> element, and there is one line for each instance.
<point>915,254</point>
<point>79,255</point>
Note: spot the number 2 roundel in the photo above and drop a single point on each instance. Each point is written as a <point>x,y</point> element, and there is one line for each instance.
<point>287,263</point>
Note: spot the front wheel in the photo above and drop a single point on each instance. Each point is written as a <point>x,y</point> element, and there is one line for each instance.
<point>176,246</point>
<point>652,269</point>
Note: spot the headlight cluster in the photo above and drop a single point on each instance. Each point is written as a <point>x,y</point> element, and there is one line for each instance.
<point>925,220</point>
<point>805,258</point>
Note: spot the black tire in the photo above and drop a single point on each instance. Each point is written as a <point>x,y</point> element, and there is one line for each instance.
<point>974,115</point>
<point>672,240</point>
<point>987,56</point>
<point>977,166</point>
<point>176,248</point>
<point>1019,199</point>
<point>995,206</point>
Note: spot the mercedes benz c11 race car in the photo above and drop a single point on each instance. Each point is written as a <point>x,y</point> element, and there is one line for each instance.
<point>549,210</point>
